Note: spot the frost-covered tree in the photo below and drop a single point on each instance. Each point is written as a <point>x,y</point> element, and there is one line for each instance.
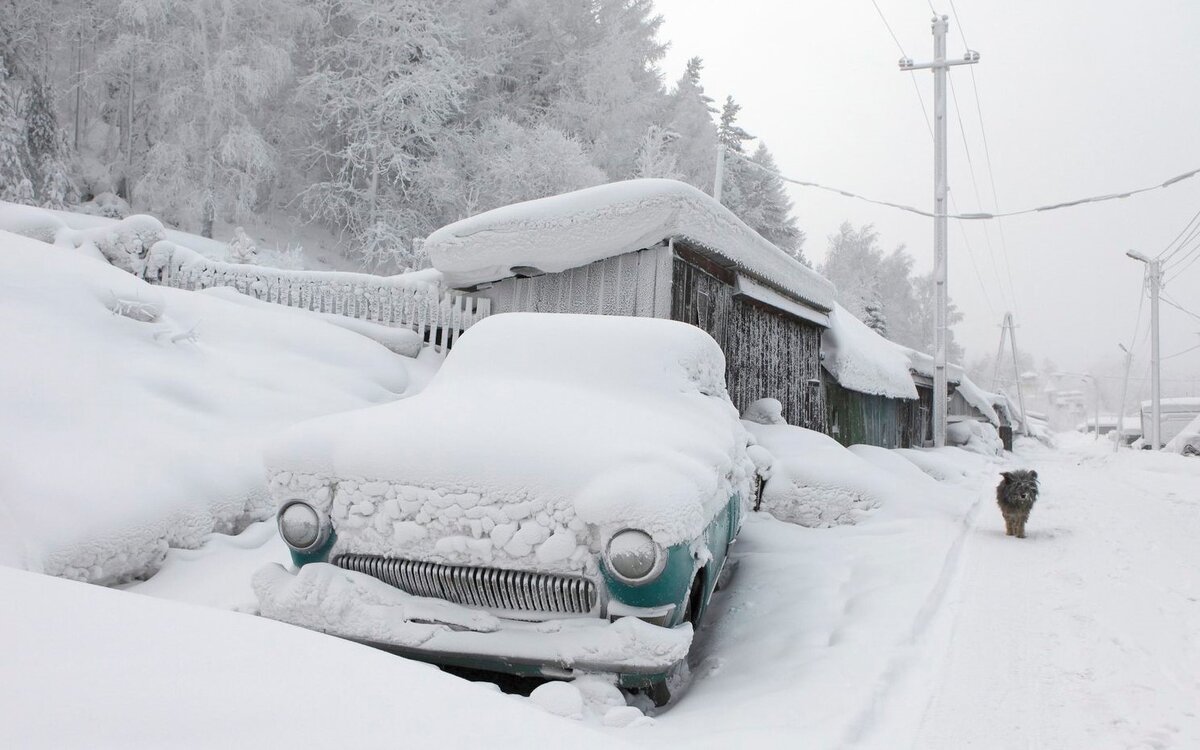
<point>387,79</point>
<point>12,139</point>
<point>765,205</point>
<point>197,137</point>
<point>880,290</point>
<point>690,114</point>
<point>47,147</point>
<point>656,155</point>
<point>504,162</point>
<point>853,263</point>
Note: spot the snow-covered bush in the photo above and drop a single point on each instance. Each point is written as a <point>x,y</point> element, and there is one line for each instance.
<point>106,204</point>
<point>242,248</point>
<point>126,243</point>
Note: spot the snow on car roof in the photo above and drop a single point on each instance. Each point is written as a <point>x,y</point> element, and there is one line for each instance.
<point>612,420</point>
<point>862,360</point>
<point>573,229</point>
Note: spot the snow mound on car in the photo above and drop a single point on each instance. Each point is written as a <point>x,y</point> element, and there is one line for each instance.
<point>536,427</point>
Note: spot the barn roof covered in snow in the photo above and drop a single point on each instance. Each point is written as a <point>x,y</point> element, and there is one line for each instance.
<point>573,229</point>
<point>862,360</point>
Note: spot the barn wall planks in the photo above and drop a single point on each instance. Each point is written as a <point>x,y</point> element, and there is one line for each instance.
<point>767,354</point>
<point>621,285</point>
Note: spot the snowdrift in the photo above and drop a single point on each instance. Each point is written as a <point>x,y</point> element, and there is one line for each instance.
<point>104,668</point>
<point>132,416</point>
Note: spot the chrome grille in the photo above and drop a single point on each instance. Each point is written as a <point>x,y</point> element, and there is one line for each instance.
<point>479,587</point>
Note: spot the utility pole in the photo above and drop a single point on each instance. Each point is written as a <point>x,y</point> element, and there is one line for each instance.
<point>1154,272</point>
<point>939,66</point>
<point>1124,391</point>
<point>719,178</point>
<point>1000,353</point>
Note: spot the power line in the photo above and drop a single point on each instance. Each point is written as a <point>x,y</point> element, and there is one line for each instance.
<point>1194,255</point>
<point>1177,306</point>
<point>1165,256</point>
<point>987,152</point>
<point>1185,351</point>
<point>889,28</point>
<point>982,216</point>
<point>987,237</point>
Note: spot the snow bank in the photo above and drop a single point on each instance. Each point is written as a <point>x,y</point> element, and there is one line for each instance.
<point>816,482</point>
<point>975,436</point>
<point>104,668</point>
<point>862,360</point>
<point>574,229</point>
<point>535,428</point>
<point>123,434</point>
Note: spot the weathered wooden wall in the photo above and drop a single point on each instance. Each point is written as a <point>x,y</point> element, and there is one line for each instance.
<point>637,283</point>
<point>767,354</point>
<point>865,418</point>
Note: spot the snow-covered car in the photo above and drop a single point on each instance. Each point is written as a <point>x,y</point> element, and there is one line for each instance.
<point>561,498</point>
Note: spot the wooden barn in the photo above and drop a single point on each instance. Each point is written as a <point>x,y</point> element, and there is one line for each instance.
<point>655,248</point>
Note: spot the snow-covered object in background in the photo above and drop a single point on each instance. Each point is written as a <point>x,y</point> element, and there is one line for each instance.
<point>117,442</point>
<point>125,243</point>
<point>574,229</point>
<point>923,364</point>
<point>241,247</point>
<point>862,360</point>
<point>816,482</point>
<point>108,205</point>
<point>975,436</point>
<point>540,434</point>
<point>1186,442</point>
<point>765,411</point>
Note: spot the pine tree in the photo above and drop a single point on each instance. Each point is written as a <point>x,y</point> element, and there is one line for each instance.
<point>47,148</point>
<point>12,140</point>
<point>729,133</point>
<point>768,208</point>
<point>656,156</point>
<point>690,114</point>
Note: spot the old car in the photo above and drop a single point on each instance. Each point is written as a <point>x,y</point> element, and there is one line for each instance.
<point>561,498</point>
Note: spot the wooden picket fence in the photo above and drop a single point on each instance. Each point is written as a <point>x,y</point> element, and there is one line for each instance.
<point>437,314</point>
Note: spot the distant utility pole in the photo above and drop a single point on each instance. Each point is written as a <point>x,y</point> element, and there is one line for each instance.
<point>1154,272</point>
<point>1124,390</point>
<point>1009,330</point>
<point>939,66</point>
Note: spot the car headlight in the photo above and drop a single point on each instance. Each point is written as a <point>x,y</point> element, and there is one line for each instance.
<point>300,525</point>
<point>633,557</point>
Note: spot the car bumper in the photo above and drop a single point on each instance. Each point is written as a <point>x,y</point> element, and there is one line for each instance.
<point>358,607</point>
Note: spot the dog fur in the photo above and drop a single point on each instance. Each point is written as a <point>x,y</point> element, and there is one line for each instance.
<point>1016,494</point>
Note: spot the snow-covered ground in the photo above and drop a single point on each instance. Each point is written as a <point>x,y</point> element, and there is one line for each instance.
<point>903,618</point>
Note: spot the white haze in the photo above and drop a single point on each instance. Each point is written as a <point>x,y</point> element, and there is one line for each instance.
<point>1079,98</point>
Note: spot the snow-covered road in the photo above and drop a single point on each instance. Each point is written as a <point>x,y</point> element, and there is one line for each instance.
<point>1085,634</point>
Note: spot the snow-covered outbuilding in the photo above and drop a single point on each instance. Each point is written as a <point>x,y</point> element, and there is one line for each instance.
<point>655,248</point>
<point>870,393</point>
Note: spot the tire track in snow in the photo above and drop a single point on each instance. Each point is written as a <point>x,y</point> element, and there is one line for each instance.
<point>877,715</point>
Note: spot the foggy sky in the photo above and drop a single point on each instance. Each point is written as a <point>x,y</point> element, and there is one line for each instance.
<point>1078,98</point>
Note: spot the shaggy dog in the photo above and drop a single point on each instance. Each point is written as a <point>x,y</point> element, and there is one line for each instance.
<point>1015,495</point>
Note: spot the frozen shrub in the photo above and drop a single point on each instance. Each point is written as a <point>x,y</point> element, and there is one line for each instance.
<point>242,248</point>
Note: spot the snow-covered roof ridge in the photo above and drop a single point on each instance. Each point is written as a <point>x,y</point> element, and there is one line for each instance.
<point>573,229</point>
<point>862,360</point>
